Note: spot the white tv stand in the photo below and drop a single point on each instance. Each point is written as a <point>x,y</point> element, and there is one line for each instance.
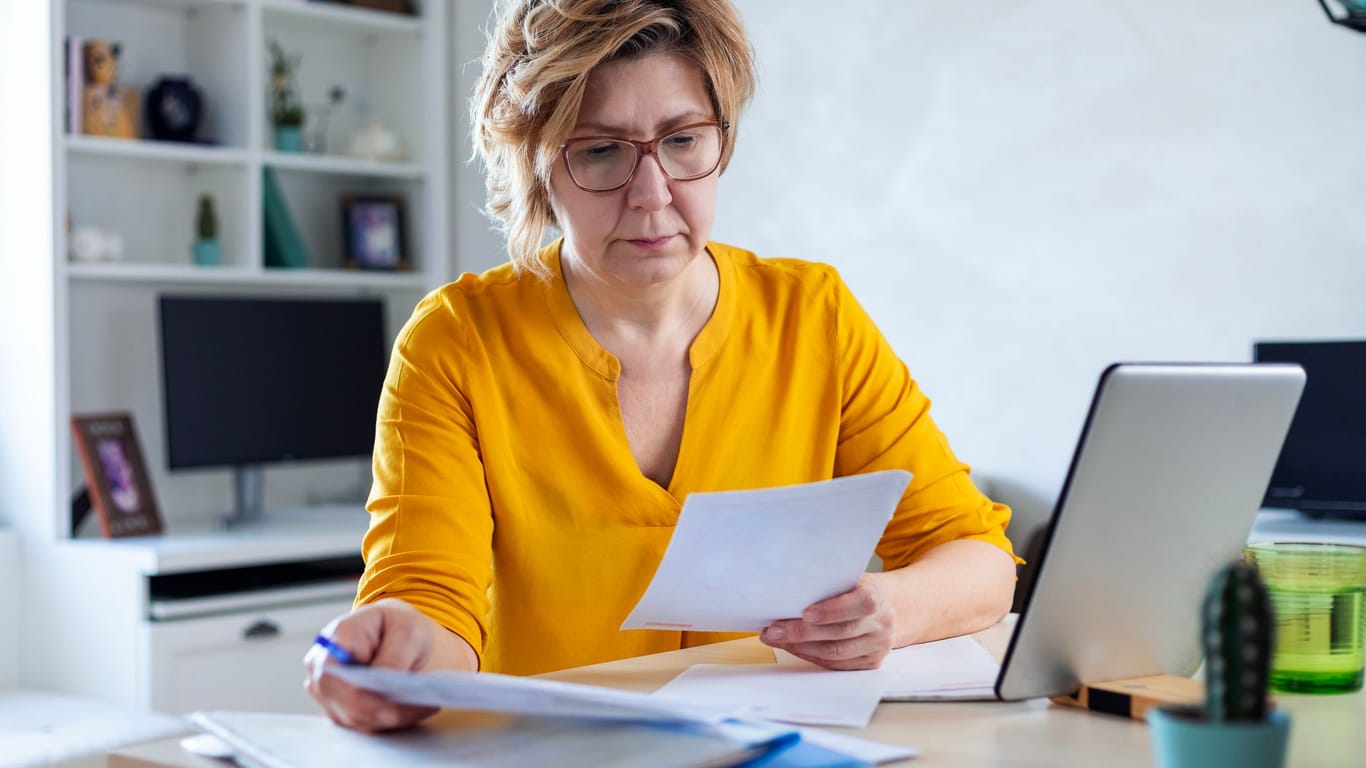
<point>202,618</point>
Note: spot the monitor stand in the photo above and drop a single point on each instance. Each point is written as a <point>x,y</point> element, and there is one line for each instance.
<point>248,492</point>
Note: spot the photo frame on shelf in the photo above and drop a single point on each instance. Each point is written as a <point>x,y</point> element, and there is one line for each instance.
<point>115,474</point>
<point>373,232</point>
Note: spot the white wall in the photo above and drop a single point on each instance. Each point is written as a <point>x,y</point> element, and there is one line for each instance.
<point>9,608</point>
<point>1022,192</point>
<point>27,295</point>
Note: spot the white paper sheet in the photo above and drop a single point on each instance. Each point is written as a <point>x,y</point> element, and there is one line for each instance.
<point>808,695</point>
<point>739,560</point>
<point>489,692</point>
<point>957,668</point>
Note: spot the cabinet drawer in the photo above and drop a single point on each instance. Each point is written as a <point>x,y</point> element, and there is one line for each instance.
<point>248,660</point>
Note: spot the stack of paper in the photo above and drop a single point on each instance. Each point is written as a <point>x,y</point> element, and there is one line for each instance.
<point>956,668</point>
<point>261,740</point>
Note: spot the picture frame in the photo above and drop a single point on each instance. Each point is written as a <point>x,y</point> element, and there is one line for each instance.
<point>115,474</point>
<point>374,232</point>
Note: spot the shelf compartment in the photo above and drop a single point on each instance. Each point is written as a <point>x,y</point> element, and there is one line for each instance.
<point>203,40</point>
<point>153,206</point>
<point>375,71</point>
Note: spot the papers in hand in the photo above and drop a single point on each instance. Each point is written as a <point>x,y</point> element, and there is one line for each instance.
<point>740,560</point>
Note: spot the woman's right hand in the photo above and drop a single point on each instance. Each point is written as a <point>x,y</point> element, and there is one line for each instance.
<point>389,633</point>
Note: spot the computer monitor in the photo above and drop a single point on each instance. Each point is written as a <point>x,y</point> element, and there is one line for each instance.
<point>253,381</point>
<point>1322,466</point>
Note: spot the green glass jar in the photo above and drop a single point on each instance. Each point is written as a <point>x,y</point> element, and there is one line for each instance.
<point>1317,592</point>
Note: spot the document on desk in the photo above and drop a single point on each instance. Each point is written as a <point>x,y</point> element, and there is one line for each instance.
<point>492,692</point>
<point>739,560</point>
<point>957,668</point>
<point>263,740</point>
<point>807,695</point>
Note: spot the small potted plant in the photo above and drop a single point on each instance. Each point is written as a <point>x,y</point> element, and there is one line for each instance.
<point>1236,725</point>
<point>207,251</point>
<point>286,108</point>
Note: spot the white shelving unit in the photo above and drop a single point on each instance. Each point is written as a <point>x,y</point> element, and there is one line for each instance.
<point>393,70</point>
<point>93,621</point>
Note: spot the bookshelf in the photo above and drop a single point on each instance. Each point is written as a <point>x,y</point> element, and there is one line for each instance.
<point>85,332</point>
<point>392,69</point>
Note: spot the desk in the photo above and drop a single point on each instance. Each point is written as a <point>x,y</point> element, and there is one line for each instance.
<point>1327,731</point>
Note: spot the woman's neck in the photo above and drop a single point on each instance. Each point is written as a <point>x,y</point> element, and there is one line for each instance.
<point>663,315</point>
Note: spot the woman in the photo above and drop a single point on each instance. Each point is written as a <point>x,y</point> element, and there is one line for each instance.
<point>542,423</point>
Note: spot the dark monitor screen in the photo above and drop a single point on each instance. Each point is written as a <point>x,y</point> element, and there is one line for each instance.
<point>254,381</point>
<point>1322,466</point>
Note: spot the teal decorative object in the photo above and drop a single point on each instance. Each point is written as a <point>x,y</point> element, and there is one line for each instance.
<point>1234,727</point>
<point>1183,738</point>
<point>289,138</point>
<point>208,253</point>
<point>283,245</point>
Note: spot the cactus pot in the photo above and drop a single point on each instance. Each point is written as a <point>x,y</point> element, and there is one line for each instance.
<point>1183,738</point>
<point>207,253</point>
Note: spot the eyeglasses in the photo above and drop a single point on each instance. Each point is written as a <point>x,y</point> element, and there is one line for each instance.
<point>604,163</point>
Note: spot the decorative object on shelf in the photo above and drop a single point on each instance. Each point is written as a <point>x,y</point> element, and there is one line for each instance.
<point>107,109</point>
<point>315,130</point>
<point>1236,725</point>
<point>286,109</point>
<point>173,107</point>
<point>207,249</point>
<point>283,245</point>
<point>115,474</point>
<point>376,142</point>
<point>92,244</point>
<point>1352,16</point>
<point>372,228</point>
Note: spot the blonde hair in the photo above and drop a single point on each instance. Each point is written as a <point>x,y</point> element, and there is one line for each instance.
<point>536,68</point>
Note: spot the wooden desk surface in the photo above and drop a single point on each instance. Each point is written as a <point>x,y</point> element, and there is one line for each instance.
<point>1327,730</point>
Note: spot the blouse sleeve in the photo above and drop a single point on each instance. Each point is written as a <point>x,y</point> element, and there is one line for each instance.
<point>431,527</point>
<point>885,424</point>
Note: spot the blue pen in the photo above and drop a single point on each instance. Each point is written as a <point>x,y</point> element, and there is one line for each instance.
<point>340,654</point>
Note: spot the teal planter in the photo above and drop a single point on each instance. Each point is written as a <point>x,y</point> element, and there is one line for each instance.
<point>289,139</point>
<point>1183,738</point>
<point>208,253</point>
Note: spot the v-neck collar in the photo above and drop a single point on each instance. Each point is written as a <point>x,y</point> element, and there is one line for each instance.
<point>576,334</point>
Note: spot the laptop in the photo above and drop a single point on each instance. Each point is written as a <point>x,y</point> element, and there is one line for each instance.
<point>1166,480</point>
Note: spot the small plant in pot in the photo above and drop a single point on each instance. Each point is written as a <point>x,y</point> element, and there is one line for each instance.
<point>286,108</point>
<point>207,251</point>
<point>1236,726</point>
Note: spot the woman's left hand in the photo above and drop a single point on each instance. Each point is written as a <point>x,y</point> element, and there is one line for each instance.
<point>849,631</point>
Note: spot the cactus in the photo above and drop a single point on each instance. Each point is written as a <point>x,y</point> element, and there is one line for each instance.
<point>1237,630</point>
<point>206,223</point>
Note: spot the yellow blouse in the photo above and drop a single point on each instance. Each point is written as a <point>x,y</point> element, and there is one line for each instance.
<point>507,504</point>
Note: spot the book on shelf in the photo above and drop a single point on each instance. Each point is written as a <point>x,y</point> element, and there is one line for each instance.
<point>74,80</point>
<point>283,245</point>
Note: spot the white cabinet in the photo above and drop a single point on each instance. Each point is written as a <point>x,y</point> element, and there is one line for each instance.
<point>250,659</point>
<point>196,620</point>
